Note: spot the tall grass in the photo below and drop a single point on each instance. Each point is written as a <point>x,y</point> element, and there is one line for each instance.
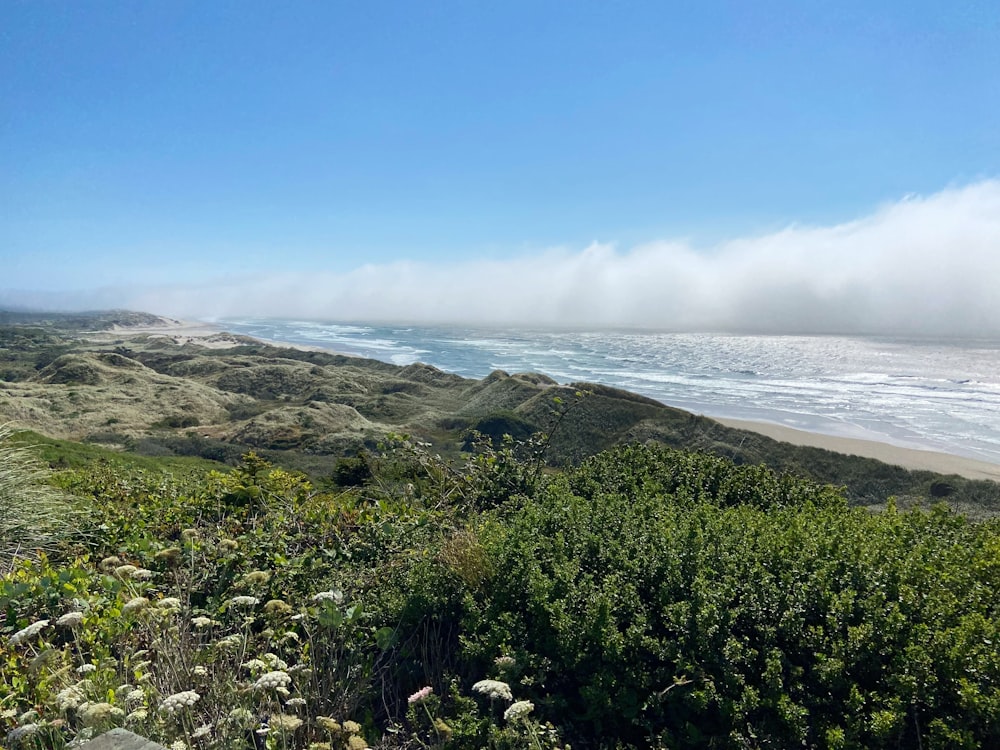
<point>33,513</point>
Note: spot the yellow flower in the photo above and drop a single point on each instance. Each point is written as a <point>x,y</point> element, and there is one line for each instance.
<point>277,607</point>
<point>256,577</point>
<point>285,722</point>
<point>328,724</point>
<point>170,555</point>
<point>443,729</point>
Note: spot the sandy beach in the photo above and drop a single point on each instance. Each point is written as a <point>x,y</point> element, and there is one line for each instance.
<point>909,458</point>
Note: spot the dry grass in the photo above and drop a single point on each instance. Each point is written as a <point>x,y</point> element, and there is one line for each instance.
<point>32,512</point>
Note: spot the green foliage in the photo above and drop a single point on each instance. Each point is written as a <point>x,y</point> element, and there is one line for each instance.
<point>648,598</point>
<point>660,597</point>
<point>500,424</point>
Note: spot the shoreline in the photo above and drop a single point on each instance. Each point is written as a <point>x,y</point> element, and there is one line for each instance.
<point>908,458</point>
<point>213,336</point>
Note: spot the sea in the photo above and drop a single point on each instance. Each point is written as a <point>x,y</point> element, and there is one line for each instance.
<point>929,394</point>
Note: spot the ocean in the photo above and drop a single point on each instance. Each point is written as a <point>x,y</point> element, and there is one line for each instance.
<point>931,394</point>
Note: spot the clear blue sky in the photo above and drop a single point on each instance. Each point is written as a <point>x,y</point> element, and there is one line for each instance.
<point>140,142</point>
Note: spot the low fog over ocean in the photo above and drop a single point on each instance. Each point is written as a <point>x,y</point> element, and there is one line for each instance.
<point>919,266</point>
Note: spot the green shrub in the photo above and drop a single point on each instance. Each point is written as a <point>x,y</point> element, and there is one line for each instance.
<point>655,596</point>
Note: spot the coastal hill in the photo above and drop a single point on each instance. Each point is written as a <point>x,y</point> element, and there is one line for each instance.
<point>447,592</point>
<point>146,384</point>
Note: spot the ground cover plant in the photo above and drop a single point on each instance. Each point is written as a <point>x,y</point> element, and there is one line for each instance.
<point>648,598</point>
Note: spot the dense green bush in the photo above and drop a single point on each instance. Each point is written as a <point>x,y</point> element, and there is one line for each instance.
<point>648,598</point>
<point>661,597</point>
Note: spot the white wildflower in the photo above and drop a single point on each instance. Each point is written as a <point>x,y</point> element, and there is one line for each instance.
<point>169,603</point>
<point>86,668</point>
<point>203,731</point>
<point>200,671</point>
<point>136,716</point>
<point>518,710</point>
<point>494,689</point>
<point>333,595</point>
<point>296,702</point>
<point>125,571</point>
<point>142,574</point>
<point>178,745</point>
<point>69,698</point>
<point>203,622</point>
<point>274,662</point>
<point>254,665</point>
<point>242,601</point>
<point>70,620</point>
<point>230,642</point>
<point>135,603</point>
<point>272,680</point>
<point>26,634</point>
<point>174,703</point>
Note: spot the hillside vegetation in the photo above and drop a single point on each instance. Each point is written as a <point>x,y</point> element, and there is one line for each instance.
<point>480,583</point>
<point>647,598</point>
<point>306,410</point>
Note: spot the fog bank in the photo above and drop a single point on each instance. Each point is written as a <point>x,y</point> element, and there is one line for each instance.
<point>922,265</point>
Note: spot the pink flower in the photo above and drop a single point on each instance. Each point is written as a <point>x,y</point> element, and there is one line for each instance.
<point>421,694</point>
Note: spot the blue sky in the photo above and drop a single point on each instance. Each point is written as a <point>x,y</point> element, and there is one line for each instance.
<point>170,147</point>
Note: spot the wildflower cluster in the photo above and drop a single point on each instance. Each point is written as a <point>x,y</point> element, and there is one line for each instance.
<point>494,690</point>
<point>273,680</point>
<point>26,634</point>
<point>421,694</point>
<point>178,701</point>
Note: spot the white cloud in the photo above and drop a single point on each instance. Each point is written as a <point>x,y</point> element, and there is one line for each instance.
<point>921,265</point>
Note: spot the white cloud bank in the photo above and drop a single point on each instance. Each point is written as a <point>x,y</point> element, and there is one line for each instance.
<point>923,265</point>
